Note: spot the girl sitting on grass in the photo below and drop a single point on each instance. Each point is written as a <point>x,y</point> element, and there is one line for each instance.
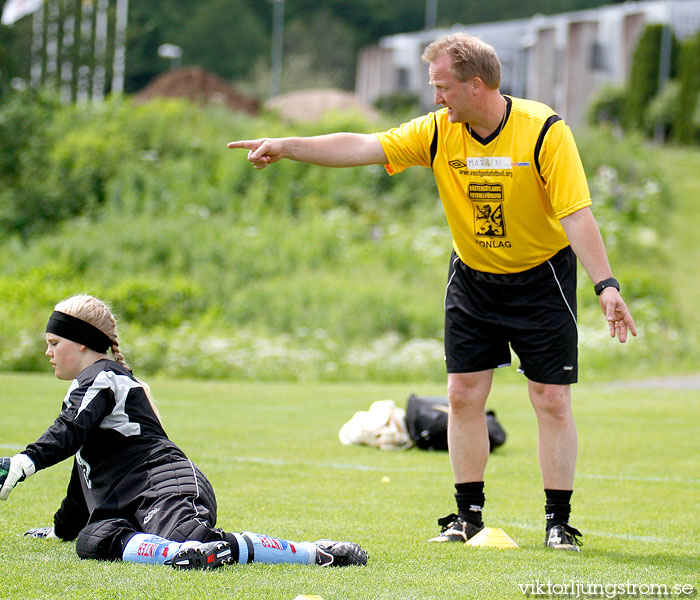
<point>133,494</point>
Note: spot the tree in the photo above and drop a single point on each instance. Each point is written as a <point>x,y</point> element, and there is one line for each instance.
<point>689,93</point>
<point>327,44</point>
<point>223,36</point>
<point>6,35</point>
<point>150,25</point>
<point>644,75</point>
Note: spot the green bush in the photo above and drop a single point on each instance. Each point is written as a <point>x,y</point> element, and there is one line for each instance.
<point>608,105</point>
<point>644,75</point>
<point>685,128</point>
<point>660,112</point>
<point>169,156</point>
<point>28,199</point>
<point>151,302</point>
<point>695,121</point>
<point>399,103</point>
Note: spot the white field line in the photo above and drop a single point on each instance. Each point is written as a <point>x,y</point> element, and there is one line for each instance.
<point>280,462</point>
<point>646,479</point>
<point>12,447</point>
<point>647,539</point>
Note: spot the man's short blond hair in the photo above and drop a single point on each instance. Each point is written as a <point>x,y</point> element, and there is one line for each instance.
<point>471,57</point>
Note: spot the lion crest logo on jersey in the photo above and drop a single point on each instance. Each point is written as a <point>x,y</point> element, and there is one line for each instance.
<point>487,199</point>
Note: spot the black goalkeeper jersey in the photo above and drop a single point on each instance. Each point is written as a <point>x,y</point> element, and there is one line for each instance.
<point>109,424</point>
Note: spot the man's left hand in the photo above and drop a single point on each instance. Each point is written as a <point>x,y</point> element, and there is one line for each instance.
<point>617,314</point>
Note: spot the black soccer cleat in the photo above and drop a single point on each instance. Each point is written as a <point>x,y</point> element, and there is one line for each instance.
<point>563,536</point>
<point>209,555</point>
<point>339,554</point>
<point>455,529</point>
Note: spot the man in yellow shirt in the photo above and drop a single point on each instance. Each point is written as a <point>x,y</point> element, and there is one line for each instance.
<point>518,207</point>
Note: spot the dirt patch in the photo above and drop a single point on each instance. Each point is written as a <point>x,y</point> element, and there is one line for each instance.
<point>199,86</point>
<point>311,105</point>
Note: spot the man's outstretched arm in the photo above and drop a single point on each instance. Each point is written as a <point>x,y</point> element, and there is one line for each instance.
<point>332,150</point>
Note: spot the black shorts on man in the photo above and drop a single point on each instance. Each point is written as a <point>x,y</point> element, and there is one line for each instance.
<point>533,312</point>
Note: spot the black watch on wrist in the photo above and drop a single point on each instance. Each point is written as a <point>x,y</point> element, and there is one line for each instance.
<point>601,285</point>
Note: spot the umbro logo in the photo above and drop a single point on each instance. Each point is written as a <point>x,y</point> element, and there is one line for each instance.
<point>457,164</point>
<point>150,515</point>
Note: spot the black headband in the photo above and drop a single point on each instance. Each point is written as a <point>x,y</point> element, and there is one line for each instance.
<point>77,330</point>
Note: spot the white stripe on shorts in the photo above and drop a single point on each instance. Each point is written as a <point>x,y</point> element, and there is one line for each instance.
<point>556,279</point>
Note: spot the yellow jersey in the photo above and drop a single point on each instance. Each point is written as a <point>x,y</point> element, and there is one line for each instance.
<point>503,196</point>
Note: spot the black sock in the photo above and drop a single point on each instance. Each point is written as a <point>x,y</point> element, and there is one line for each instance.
<point>231,539</point>
<point>558,506</point>
<point>470,501</point>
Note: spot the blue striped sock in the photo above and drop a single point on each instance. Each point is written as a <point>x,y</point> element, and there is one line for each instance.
<point>151,549</point>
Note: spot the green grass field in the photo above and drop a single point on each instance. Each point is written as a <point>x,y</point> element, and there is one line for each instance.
<point>274,458</point>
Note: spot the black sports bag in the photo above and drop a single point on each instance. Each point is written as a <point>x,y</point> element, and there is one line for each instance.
<point>426,421</point>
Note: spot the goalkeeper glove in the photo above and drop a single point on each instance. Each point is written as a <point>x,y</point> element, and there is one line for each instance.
<point>19,468</point>
<point>42,532</point>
